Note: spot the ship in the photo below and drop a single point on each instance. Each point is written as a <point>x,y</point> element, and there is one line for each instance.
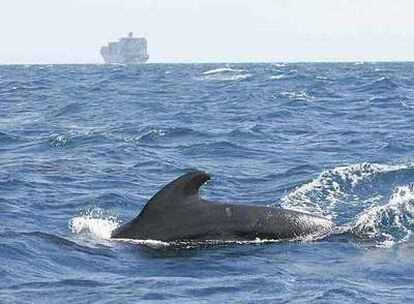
<point>128,50</point>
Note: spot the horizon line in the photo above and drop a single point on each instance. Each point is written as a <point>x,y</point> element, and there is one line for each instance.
<point>219,62</point>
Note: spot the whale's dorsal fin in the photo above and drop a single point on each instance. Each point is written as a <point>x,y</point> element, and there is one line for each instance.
<point>180,191</point>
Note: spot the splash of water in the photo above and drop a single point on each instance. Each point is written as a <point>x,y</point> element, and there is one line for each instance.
<point>94,223</point>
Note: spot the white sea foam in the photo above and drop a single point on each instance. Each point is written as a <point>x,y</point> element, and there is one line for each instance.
<point>58,140</point>
<point>299,95</point>
<point>94,223</point>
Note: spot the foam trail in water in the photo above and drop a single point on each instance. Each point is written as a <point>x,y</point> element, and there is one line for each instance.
<point>94,223</point>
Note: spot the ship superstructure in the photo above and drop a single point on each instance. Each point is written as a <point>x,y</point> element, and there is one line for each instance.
<point>128,50</point>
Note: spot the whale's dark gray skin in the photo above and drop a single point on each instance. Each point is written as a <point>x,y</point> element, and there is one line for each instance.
<point>178,213</point>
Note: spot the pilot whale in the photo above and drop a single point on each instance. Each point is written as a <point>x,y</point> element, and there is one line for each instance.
<point>178,213</point>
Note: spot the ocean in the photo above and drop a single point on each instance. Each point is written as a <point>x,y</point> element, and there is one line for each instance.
<point>83,147</point>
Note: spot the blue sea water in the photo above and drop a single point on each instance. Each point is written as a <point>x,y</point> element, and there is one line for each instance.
<point>83,147</point>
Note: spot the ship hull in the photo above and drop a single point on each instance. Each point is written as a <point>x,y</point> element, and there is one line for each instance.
<point>127,61</point>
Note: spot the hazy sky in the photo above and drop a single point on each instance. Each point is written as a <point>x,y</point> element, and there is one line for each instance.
<point>72,31</point>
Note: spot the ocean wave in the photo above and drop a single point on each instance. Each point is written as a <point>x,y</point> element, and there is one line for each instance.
<point>383,84</point>
<point>71,109</point>
<point>332,187</point>
<point>383,100</point>
<point>222,71</point>
<point>21,240</point>
<point>348,194</point>
<point>407,103</point>
<point>59,140</point>
<point>152,135</point>
<point>64,242</point>
<point>111,199</point>
<point>225,74</point>
<point>166,133</point>
<point>219,149</point>
<point>277,77</point>
<point>68,144</point>
<point>9,139</point>
<point>59,284</point>
<point>386,225</point>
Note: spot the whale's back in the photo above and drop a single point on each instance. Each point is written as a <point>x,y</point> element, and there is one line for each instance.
<point>177,212</point>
